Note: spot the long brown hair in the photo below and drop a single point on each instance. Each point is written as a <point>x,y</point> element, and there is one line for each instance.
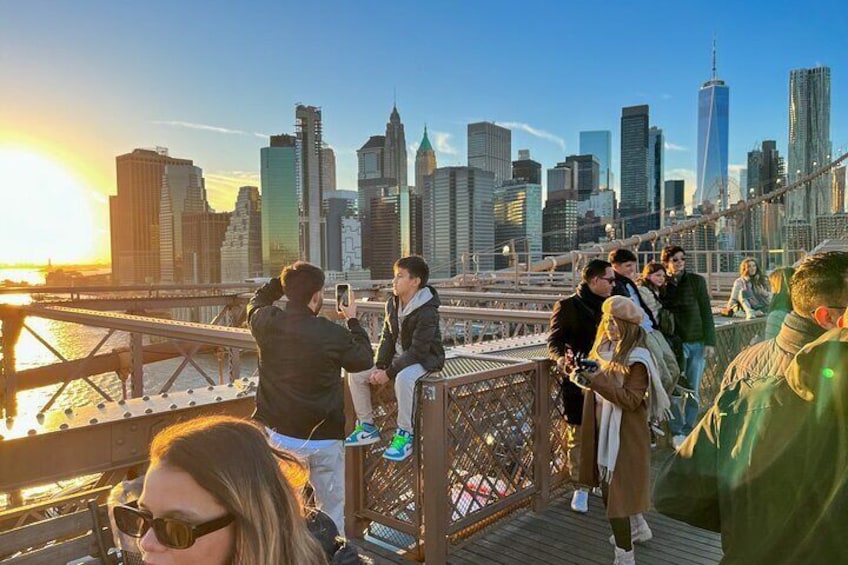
<point>758,279</point>
<point>632,336</point>
<point>231,459</point>
<point>649,270</point>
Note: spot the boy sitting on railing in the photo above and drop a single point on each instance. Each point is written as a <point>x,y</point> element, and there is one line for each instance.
<point>410,347</point>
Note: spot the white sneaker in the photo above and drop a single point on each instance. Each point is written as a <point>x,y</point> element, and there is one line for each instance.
<point>624,557</point>
<point>596,491</point>
<point>677,441</point>
<point>640,532</point>
<point>580,501</point>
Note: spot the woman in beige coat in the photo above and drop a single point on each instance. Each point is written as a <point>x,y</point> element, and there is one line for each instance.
<point>616,451</point>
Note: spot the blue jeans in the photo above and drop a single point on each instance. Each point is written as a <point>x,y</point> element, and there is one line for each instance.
<point>693,368</point>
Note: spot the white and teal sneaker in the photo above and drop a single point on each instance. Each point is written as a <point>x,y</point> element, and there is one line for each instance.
<point>363,434</point>
<point>400,448</point>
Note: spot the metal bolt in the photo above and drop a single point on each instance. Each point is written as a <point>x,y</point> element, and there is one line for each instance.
<point>149,411</point>
<point>190,391</point>
<point>173,406</point>
<point>63,426</point>
<point>93,421</point>
<point>121,402</point>
<point>210,387</point>
<point>101,405</point>
<point>192,403</point>
<point>230,385</point>
<point>218,399</point>
<point>127,414</point>
<point>145,398</point>
<point>164,395</point>
<point>31,432</point>
<point>69,411</point>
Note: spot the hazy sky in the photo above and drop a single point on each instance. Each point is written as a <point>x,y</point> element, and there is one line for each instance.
<point>84,81</point>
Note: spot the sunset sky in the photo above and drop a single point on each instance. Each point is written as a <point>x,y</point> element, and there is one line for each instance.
<point>85,81</point>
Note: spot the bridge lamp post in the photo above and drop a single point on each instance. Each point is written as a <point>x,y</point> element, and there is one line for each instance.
<point>512,254</point>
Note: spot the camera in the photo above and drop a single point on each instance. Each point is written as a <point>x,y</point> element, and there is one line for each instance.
<point>582,367</point>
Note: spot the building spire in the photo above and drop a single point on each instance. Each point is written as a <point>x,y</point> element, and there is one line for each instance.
<point>714,57</point>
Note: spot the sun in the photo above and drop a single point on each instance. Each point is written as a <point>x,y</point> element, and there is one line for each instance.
<point>46,211</point>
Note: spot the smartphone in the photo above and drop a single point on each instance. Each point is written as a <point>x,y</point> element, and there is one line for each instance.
<point>342,296</point>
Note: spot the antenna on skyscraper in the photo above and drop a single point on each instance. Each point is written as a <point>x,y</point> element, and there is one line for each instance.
<point>714,56</point>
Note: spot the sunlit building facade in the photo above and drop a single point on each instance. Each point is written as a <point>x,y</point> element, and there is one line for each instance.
<point>279,170</point>
<point>713,127</point>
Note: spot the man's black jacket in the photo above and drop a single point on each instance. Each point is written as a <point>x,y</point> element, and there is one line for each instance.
<point>574,323</point>
<point>301,392</point>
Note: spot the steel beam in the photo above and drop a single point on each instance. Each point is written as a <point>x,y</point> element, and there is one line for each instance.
<point>110,435</point>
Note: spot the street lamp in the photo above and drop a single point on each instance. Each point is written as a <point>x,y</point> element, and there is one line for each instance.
<point>610,230</point>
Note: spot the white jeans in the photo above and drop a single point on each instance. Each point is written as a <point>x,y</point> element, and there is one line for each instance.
<point>360,393</point>
<point>325,461</point>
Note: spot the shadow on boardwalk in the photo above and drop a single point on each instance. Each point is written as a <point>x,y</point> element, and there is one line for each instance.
<point>559,536</point>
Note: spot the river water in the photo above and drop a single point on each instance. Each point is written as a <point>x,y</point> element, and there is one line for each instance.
<point>75,341</point>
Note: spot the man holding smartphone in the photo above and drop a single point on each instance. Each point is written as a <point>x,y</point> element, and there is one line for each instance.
<point>410,347</point>
<point>300,399</point>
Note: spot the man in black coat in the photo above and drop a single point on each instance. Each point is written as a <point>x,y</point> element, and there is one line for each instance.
<point>300,399</point>
<point>574,323</point>
<point>410,347</point>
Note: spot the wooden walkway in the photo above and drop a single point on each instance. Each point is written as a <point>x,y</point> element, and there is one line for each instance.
<point>559,536</point>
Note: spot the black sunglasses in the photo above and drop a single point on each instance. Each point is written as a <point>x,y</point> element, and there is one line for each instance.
<point>170,532</point>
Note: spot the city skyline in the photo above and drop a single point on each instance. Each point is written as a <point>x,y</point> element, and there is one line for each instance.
<point>64,100</point>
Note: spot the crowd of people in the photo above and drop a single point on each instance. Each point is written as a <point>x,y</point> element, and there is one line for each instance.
<point>765,466</point>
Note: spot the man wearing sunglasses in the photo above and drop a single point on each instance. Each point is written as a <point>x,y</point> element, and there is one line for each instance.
<point>574,323</point>
<point>766,466</point>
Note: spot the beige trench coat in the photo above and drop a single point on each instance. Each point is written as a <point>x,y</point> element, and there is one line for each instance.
<point>629,490</point>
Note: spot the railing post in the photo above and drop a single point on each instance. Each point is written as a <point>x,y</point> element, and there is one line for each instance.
<point>354,479</point>
<point>13,323</point>
<point>435,477</point>
<point>542,436</point>
<point>137,370</point>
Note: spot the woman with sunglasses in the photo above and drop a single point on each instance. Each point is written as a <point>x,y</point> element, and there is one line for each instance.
<point>215,494</point>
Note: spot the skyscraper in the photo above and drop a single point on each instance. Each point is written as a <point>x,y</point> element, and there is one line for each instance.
<point>182,192</point>
<point>461,220</point>
<point>562,181</point>
<point>425,162</point>
<point>328,163</point>
<point>599,144</point>
<point>656,175</point>
<point>809,141</point>
<point>134,215</point>
<point>395,150</point>
<point>309,133</point>
<point>713,124</point>
<point>371,183</point>
<point>588,171</point>
<point>203,236</point>
<point>339,204</point>
<point>526,169</point>
<point>278,169</point>
<point>559,224</point>
<point>674,190</point>
<point>634,170</point>
<point>838,192</point>
<point>490,149</point>
<point>241,251</point>
<point>395,167</point>
<point>518,221</point>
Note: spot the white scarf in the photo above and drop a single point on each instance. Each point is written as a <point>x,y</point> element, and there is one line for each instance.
<point>610,422</point>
